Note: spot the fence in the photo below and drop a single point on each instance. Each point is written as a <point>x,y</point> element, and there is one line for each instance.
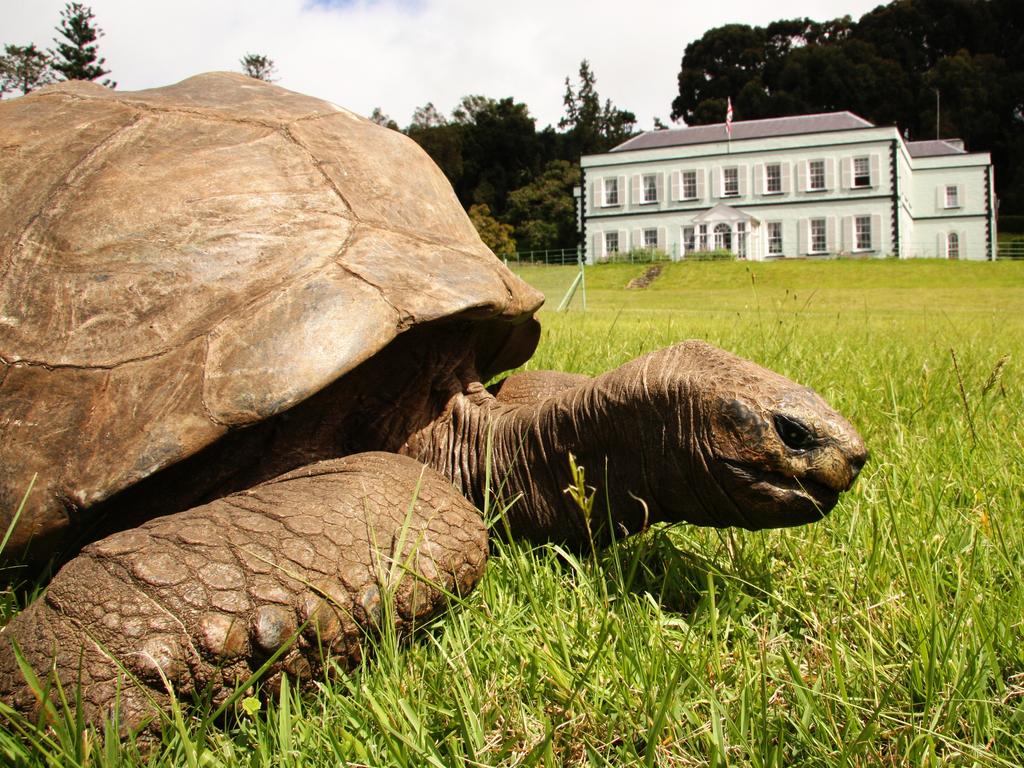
<point>1014,249</point>
<point>556,256</point>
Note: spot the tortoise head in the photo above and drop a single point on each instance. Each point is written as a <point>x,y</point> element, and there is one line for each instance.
<point>777,452</point>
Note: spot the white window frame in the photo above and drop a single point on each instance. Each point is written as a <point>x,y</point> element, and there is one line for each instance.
<point>774,230</point>
<point>768,178</point>
<point>740,240</point>
<point>649,188</point>
<point>813,236</point>
<point>733,171</point>
<point>685,177</point>
<point>863,237</point>
<point>812,176</point>
<point>951,196</point>
<point>952,245</point>
<point>702,237</point>
<point>689,239</point>
<point>650,238</point>
<point>861,172</point>
<point>611,242</point>
<point>611,192</point>
<point>723,237</point>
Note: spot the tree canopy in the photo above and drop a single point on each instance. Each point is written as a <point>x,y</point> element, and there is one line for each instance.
<point>259,66</point>
<point>76,56</point>
<point>886,67</point>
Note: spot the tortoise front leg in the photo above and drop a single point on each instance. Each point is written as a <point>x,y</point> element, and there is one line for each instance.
<point>300,566</point>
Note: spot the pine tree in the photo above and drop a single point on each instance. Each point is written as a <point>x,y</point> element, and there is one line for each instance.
<point>77,56</point>
<point>24,68</point>
<point>258,66</point>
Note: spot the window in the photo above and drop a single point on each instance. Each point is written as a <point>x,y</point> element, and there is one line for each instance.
<point>774,238</point>
<point>952,246</point>
<point>703,237</point>
<point>688,185</point>
<point>816,175</point>
<point>819,240</point>
<point>952,196</point>
<point>650,188</point>
<point>689,240</point>
<point>772,179</point>
<point>723,237</point>
<point>651,237</point>
<point>741,239</point>
<point>730,182</point>
<point>611,191</point>
<point>862,233</point>
<point>611,242</point>
<point>861,172</point>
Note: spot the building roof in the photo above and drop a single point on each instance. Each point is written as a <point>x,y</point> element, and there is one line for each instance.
<point>936,147</point>
<point>746,129</point>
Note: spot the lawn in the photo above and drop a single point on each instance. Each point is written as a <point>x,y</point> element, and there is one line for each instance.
<point>891,633</point>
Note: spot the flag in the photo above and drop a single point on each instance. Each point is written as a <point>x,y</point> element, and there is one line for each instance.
<point>728,117</point>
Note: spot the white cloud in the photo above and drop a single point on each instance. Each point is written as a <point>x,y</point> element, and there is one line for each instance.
<point>399,54</point>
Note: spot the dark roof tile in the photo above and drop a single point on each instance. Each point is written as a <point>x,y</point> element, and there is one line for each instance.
<point>746,129</point>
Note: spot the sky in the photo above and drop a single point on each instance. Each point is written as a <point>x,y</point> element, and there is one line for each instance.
<point>400,54</point>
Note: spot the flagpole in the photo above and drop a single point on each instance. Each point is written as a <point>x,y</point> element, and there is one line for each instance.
<point>728,125</point>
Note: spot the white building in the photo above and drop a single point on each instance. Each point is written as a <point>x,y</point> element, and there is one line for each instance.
<point>812,185</point>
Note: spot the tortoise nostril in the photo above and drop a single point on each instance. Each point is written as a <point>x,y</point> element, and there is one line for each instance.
<point>794,433</point>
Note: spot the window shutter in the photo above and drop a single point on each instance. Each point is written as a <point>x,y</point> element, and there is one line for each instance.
<point>598,245</point>
<point>741,180</point>
<point>830,173</point>
<point>716,182</point>
<point>623,241</point>
<point>876,179</point>
<point>803,236</point>
<point>675,185</point>
<point>662,237</point>
<point>597,194</point>
<point>830,234</point>
<point>846,171</point>
<point>848,243</point>
<point>700,184</point>
<point>622,191</point>
<point>660,186</point>
<point>876,232</point>
<point>785,173</point>
<point>759,185</point>
<point>634,197</point>
<point>802,174</point>
<point>960,195</point>
<point>638,239</point>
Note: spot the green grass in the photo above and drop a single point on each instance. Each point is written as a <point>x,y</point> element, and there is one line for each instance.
<point>891,633</point>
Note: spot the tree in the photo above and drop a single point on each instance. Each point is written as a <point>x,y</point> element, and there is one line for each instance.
<point>378,117</point>
<point>77,56</point>
<point>496,236</point>
<point>427,116</point>
<point>592,127</point>
<point>543,212</point>
<point>259,66</point>
<point>25,68</point>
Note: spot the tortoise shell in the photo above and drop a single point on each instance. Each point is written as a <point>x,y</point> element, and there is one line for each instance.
<point>179,262</point>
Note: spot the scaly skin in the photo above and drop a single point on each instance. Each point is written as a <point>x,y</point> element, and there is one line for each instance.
<point>689,430</point>
<point>204,597</point>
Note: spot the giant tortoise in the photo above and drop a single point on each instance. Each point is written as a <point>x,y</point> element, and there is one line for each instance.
<point>245,337</point>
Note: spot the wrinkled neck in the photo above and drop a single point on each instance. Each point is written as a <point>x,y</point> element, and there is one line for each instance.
<point>636,438</point>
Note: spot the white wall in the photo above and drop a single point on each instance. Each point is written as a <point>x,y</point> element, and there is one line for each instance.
<point>922,217</point>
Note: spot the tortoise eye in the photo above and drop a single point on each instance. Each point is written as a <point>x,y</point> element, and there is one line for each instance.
<point>794,433</point>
